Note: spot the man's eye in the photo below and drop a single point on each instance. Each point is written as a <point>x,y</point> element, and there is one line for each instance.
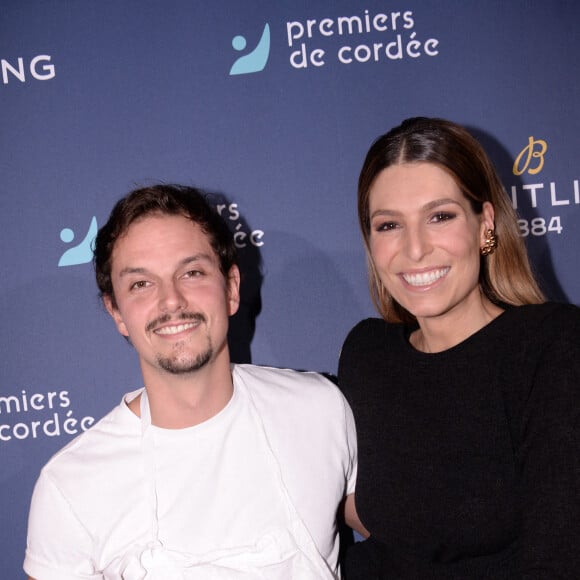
<point>138,285</point>
<point>193,274</point>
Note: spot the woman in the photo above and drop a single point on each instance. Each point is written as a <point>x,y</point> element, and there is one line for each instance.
<point>466,392</point>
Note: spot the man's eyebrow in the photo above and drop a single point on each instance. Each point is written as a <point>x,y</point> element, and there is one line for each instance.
<point>201,257</point>
<point>129,270</point>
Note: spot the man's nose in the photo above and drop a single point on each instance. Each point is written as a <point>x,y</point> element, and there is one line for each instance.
<point>171,299</point>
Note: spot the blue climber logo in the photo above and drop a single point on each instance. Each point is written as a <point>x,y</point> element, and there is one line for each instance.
<point>254,61</point>
<point>81,253</point>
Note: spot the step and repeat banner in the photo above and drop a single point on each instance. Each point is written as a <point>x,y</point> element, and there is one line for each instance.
<point>271,107</point>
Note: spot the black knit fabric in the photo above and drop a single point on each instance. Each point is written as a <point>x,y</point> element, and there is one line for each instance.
<point>469,459</point>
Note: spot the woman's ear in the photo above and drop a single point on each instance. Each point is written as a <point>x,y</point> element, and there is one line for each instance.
<point>487,220</point>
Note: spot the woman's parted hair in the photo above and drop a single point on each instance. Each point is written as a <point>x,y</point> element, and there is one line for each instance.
<point>506,275</point>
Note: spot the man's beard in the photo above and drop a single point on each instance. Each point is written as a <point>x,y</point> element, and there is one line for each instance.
<point>178,366</point>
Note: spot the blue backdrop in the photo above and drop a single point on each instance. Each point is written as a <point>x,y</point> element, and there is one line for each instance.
<point>271,106</point>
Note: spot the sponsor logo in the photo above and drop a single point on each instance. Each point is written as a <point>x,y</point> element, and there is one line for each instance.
<point>243,236</point>
<point>531,161</point>
<point>81,253</point>
<point>34,415</point>
<point>534,151</point>
<point>39,68</point>
<point>367,37</point>
<point>353,39</point>
<point>256,59</point>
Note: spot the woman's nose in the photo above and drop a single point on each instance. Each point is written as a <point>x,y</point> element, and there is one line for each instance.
<point>417,243</point>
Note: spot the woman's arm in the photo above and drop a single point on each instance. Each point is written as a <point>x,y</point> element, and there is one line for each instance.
<point>351,517</point>
<point>549,456</point>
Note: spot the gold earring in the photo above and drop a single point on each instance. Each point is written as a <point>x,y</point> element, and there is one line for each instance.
<point>490,243</point>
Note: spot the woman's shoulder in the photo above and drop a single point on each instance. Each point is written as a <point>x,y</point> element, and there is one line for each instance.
<point>370,329</point>
<point>368,325</point>
<point>540,333</point>
<point>549,316</point>
<point>368,335</point>
<point>548,308</point>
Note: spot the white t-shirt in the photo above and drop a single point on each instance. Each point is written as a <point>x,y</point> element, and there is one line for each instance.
<point>217,485</point>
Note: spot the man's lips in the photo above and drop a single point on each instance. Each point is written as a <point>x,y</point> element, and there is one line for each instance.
<point>175,329</point>
<point>166,325</point>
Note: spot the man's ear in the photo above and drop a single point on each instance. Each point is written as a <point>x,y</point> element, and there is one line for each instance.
<point>115,314</point>
<point>233,290</point>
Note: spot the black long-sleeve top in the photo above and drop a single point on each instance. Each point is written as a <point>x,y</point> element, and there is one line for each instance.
<point>469,459</point>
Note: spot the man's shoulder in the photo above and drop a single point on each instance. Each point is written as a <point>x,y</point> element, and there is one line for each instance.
<point>258,376</point>
<point>288,400</point>
<point>112,431</point>
<point>277,384</point>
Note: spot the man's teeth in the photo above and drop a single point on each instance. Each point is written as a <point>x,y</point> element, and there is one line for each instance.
<point>425,278</point>
<point>175,329</point>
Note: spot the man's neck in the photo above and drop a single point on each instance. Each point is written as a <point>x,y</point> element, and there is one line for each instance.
<point>180,401</point>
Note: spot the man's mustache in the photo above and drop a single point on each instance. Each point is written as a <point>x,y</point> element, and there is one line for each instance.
<point>196,316</point>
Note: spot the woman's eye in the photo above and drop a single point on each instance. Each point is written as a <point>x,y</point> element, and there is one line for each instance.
<point>442,216</point>
<point>386,226</point>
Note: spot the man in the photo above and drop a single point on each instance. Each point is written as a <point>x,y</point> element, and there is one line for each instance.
<point>212,470</point>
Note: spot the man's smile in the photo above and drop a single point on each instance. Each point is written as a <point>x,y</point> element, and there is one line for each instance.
<point>176,329</point>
